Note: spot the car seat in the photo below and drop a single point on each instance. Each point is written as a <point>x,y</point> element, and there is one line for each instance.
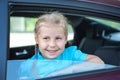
<point>109,54</point>
<point>90,42</point>
<point>89,45</point>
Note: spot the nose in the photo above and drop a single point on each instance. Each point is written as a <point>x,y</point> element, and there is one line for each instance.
<point>52,43</point>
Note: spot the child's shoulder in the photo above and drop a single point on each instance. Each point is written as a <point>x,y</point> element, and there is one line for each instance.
<point>71,48</point>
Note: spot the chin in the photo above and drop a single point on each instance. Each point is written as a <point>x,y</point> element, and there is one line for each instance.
<point>51,57</point>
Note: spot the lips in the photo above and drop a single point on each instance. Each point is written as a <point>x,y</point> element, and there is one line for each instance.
<point>52,51</point>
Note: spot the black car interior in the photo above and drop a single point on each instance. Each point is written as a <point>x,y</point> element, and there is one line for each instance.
<point>109,54</point>
<point>88,37</point>
<point>25,52</point>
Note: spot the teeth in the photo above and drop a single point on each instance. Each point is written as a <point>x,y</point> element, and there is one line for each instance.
<point>52,51</point>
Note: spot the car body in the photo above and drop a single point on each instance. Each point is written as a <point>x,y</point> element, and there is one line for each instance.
<point>91,22</point>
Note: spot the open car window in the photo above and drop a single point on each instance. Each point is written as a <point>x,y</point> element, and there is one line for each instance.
<point>22,38</point>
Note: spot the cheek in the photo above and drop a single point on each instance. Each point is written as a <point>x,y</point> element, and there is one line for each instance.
<point>61,43</point>
<point>41,43</point>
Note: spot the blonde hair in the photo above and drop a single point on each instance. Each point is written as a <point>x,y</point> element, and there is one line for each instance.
<point>54,18</point>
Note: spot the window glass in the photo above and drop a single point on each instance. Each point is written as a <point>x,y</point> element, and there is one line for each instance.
<point>113,24</point>
<point>22,31</point>
<point>70,32</point>
<point>22,24</point>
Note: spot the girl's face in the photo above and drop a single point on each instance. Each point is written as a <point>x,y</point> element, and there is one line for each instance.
<point>51,40</point>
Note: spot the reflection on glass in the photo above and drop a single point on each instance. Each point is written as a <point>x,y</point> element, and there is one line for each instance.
<point>37,69</point>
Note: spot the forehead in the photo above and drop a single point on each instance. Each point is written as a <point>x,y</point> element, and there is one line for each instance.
<point>51,28</point>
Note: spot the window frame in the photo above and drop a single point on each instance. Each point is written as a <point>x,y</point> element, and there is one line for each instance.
<point>4,34</point>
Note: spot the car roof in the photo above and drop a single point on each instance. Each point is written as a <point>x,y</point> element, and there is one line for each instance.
<point>114,3</point>
<point>68,7</point>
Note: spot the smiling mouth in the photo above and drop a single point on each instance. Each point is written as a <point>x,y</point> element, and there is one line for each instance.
<point>52,51</point>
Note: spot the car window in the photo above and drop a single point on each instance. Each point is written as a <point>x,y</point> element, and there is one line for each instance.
<point>22,34</point>
<point>110,23</point>
<point>21,31</point>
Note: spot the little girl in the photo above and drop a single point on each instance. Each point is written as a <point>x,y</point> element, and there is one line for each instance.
<point>51,36</point>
